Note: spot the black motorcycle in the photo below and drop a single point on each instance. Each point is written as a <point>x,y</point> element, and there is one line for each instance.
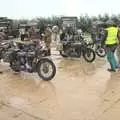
<point>30,58</point>
<point>76,49</point>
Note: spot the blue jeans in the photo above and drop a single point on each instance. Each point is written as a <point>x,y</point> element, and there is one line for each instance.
<point>110,49</point>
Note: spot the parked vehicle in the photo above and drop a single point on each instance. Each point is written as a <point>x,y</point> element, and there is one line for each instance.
<point>97,36</point>
<point>75,49</point>
<point>28,58</point>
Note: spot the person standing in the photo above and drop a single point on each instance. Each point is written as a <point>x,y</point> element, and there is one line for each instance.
<point>47,39</point>
<point>111,43</point>
<point>22,34</point>
<point>55,30</point>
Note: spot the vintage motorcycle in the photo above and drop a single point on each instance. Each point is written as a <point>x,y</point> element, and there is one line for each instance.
<point>29,58</point>
<point>98,36</point>
<point>76,49</point>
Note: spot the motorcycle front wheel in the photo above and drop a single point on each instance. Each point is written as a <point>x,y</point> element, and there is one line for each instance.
<point>89,55</point>
<point>62,54</point>
<point>46,69</point>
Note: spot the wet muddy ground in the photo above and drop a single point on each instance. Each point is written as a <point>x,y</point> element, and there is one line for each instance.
<point>79,91</point>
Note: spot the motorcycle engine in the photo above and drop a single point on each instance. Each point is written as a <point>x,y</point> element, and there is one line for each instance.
<point>71,52</point>
<point>26,59</point>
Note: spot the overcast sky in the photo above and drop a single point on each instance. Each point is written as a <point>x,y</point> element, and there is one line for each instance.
<point>35,8</point>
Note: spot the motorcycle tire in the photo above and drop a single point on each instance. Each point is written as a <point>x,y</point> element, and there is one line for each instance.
<point>62,54</point>
<point>87,53</point>
<point>101,52</point>
<point>42,72</point>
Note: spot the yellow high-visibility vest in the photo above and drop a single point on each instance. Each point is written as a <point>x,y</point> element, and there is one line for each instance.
<point>112,36</point>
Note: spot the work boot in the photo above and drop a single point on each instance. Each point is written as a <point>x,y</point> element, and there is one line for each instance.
<point>111,70</point>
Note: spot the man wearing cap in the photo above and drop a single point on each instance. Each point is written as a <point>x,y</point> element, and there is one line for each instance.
<point>111,42</point>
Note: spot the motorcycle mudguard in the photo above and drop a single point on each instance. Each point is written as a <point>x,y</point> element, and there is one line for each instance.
<point>34,65</point>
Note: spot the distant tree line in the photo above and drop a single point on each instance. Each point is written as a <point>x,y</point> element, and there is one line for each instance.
<point>84,21</point>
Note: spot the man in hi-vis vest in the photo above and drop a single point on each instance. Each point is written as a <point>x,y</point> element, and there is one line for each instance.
<point>111,43</point>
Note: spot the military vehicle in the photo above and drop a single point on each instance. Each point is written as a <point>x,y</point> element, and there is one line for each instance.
<point>7,28</point>
<point>69,22</point>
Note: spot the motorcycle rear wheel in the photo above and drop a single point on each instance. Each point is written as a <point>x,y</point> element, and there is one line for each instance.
<point>14,66</point>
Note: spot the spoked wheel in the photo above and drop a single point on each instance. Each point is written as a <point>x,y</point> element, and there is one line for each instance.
<point>89,55</point>
<point>101,52</point>
<point>46,69</point>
